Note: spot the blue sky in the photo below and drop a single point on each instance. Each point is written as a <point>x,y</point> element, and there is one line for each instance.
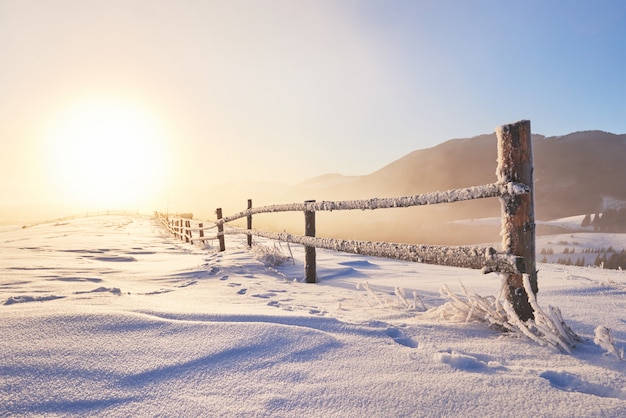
<point>287,90</point>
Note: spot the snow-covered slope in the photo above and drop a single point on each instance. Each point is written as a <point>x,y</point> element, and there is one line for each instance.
<point>108,316</point>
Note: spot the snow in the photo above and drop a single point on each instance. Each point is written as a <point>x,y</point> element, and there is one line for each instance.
<point>110,316</point>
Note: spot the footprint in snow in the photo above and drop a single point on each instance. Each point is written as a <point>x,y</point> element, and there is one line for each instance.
<point>77,279</point>
<point>189,283</point>
<point>571,383</point>
<point>266,295</point>
<point>242,291</point>
<point>21,299</point>
<point>114,290</point>
<point>397,337</point>
<point>156,292</point>
<point>466,362</point>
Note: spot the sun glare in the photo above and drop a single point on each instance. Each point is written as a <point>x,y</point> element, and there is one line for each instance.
<point>107,153</point>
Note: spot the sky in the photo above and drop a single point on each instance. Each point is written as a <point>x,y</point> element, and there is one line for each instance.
<point>120,103</point>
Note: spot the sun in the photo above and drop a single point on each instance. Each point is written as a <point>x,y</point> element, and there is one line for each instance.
<point>107,153</point>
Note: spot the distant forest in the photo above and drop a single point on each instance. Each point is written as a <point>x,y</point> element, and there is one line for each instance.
<point>611,220</point>
<point>606,258</point>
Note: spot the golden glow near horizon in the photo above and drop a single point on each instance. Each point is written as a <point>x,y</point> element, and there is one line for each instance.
<point>106,152</point>
<point>94,93</point>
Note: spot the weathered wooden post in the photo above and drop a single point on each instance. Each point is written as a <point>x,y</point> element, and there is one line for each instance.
<point>220,230</point>
<point>310,268</point>
<point>188,237</point>
<point>201,233</point>
<point>515,164</point>
<point>249,218</point>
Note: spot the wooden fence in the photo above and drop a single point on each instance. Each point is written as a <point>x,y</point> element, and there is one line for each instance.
<point>513,186</point>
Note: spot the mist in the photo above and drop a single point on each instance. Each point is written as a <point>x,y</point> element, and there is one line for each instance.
<point>415,225</point>
<point>575,174</point>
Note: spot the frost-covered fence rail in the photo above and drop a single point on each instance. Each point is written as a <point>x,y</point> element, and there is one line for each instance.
<point>514,187</point>
<point>185,228</point>
<point>485,258</point>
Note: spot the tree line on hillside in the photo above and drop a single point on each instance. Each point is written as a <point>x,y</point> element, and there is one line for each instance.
<point>609,260</point>
<point>611,220</point>
<point>616,261</point>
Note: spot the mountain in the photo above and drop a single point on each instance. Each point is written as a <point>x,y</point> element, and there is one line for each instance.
<point>574,174</point>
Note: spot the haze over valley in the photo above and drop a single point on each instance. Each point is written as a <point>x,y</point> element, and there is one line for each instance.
<point>575,174</point>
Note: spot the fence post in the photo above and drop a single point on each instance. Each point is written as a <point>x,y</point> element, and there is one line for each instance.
<point>200,226</point>
<point>188,237</point>
<point>220,230</point>
<point>310,268</point>
<point>515,164</point>
<point>249,223</point>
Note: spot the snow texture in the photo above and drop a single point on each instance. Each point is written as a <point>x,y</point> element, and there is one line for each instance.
<point>111,316</point>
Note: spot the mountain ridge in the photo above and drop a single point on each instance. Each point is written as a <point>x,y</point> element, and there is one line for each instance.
<point>573,172</point>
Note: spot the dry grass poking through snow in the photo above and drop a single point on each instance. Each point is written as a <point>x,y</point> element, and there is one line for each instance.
<point>271,256</point>
<point>548,328</point>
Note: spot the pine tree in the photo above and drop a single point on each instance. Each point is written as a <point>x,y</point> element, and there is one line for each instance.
<point>596,222</point>
<point>586,221</point>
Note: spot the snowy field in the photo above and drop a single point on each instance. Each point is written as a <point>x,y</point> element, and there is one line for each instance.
<point>108,316</point>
